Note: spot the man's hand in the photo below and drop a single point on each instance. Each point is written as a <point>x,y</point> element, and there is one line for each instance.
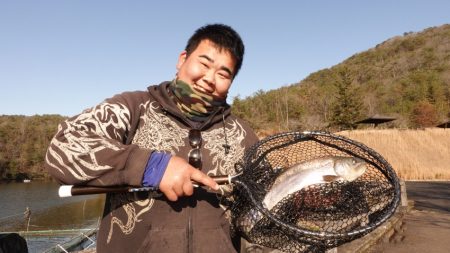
<point>177,179</point>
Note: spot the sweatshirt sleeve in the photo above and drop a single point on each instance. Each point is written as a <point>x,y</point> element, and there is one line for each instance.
<point>89,148</point>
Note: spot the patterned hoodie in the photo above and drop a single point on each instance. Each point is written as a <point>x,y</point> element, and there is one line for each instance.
<point>111,143</point>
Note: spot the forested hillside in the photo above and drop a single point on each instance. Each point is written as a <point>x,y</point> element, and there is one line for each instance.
<point>407,77</point>
<point>23,143</point>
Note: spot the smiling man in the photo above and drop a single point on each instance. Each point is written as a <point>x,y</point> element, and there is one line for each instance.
<point>168,136</point>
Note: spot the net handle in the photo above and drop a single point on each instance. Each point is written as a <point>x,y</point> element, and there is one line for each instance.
<point>76,190</point>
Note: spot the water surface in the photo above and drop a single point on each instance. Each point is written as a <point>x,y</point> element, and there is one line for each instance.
<point>49,212</point>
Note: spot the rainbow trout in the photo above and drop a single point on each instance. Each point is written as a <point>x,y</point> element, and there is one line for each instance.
<point>299,176</point>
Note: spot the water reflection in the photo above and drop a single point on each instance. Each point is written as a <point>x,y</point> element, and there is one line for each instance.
<point>48,211</point>
<point>49,214</point>
<point>69,216</point>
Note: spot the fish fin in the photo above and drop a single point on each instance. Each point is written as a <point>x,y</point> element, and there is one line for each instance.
<point>330,178</point>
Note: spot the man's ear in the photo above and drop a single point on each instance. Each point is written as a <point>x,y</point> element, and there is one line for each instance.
<point>181,59</point>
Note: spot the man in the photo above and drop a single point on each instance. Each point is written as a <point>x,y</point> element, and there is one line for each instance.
<point>168,136</point>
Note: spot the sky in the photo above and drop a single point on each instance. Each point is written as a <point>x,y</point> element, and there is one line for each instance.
<point>63,56</point>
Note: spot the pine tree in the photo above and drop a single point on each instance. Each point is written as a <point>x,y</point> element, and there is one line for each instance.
<point>347,106</point>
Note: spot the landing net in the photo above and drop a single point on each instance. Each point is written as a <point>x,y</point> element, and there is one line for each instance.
<point>317,217</point>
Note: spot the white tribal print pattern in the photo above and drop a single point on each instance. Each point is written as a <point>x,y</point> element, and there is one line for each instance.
<point>159,132</point>
<point>215,142</point>
<point>84,137</point>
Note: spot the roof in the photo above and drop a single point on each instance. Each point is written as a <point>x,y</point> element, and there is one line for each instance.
<point>444,125</point>
<point>376,119</point>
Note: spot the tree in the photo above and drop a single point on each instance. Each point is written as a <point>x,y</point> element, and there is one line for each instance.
<point>347,105</point>
<point>424,114</point>
<point>23,143</point>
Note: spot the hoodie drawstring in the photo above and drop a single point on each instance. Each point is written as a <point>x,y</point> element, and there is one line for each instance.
<point>226,145</point>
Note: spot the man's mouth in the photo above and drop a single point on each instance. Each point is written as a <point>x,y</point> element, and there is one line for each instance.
<point>201,89</point>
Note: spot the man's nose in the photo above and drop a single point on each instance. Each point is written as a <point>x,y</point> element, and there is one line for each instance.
<point>209,77</point>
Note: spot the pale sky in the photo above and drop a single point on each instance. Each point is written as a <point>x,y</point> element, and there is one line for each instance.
<point>61,57</point>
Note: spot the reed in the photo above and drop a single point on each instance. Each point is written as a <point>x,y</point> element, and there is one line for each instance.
<point>414,154</point>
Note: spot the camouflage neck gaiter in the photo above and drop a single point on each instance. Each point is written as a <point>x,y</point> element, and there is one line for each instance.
<point>196,105</point>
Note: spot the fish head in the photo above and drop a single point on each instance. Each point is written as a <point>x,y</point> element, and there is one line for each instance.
<point>349,168</point>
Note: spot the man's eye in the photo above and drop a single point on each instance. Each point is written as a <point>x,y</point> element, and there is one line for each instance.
<point>224,75</point>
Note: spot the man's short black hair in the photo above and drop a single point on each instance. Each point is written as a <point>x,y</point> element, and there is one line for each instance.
<point>223,36</point>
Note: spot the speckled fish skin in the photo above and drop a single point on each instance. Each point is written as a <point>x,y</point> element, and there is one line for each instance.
<point>316,171</point>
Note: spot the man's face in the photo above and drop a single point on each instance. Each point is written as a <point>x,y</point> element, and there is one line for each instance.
<point>207,69</point>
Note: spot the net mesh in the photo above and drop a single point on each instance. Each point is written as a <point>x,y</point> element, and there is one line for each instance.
<point>319,216</point>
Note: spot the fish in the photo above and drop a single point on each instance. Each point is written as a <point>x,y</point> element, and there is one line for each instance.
<point>316,171</point>
<point>299,176</point>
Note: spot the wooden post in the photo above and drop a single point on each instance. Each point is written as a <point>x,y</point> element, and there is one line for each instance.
<point>403,196</point>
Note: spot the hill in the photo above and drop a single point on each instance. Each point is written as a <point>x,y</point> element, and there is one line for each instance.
<point>407,77</point>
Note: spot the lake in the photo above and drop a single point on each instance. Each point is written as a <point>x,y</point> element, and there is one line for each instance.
<point>48,211</point>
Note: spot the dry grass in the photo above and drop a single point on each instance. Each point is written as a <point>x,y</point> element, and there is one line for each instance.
<point>414,154</point>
